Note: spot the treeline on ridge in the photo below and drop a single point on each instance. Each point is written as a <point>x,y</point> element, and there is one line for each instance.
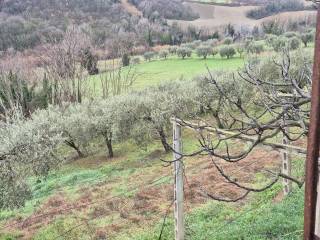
<point>276,6</point>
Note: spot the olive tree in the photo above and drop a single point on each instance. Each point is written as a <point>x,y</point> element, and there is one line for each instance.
<point>227,51</point>
<point>240,49</point>
<point>214,52</point>
<point>75,122</point>
<point>203,51</point>
<point>148,56</point>
<point>294,43</point>
<point>306,38</point>
<point>255,47</point>
<point>210,100</point>
<point>281,43</point>
<point>184,52</point>
<point>114,118</point>
<point>157,105</point>
<point>27,147</point>
<point>103,120</point>
<point>163,54</point>
<point>212,42</point>
<point>228,41</point>
<point>173,49</point>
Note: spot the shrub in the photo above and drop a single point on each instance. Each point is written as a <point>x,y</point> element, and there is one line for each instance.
<point>270,38</point>
<point>212,42</point>
<point>294,43</point>
<point>135,60</point>
<point>204,51</point>
<point>279,43</point>
<point>148,56</point>
<point>197,43</point>
<point>216,35</point>
<point>89,61</point>
<point>306,38</point>
<point>227,51</point>
<point>184,52</point>
<point>228,41</point>
<point>125,60</point>
<point>290,34</point>
<point>255,47</point>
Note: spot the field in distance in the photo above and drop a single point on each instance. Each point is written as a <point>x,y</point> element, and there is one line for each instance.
<point>214,16</point>
<point>161,70</point>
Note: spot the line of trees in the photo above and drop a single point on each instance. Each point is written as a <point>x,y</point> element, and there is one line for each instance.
<point>276,6</point>
<point>169,9</point>
<point>30,145</point>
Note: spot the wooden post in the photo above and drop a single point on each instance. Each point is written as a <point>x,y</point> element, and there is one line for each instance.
<point>312,163</point>
<point>286,164</point>
<point>178,183</point>
<point>317,220</point>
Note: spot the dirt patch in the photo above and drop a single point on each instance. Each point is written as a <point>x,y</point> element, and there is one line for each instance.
<point>207,178</point>
<point>279,197</point>
<point>149,203</point>
<point>131,8</point>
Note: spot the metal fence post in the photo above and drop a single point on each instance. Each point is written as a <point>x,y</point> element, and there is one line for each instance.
<point>178,182</point>
<point>286,164</point>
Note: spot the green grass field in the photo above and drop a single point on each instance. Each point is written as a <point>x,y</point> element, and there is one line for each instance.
<point>173,68</point>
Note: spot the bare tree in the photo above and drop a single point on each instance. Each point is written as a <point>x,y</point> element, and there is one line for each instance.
<point>266,100</point>
<point>117,80</point>
<point>62,66</point>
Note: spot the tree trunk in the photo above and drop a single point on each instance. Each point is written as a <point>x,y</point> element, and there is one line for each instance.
<point>71,144</point>
<point>108,139</point>
<point>219,122</point>
<point>201,109</point>
<point>163,139</point>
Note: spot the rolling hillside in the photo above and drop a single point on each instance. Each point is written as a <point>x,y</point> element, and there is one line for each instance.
<point>215,16</point>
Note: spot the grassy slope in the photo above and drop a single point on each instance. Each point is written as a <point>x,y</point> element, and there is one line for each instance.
<point>98,178</point>
<point>260,218</point>
<point>101,178</point>
<point>265,216</point>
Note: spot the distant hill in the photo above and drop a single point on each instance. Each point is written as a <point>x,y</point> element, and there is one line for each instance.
<point>26,23</point>
<point>213,17</point>
<point>169,9</point>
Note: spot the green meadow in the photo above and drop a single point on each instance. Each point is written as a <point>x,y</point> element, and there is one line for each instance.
<point>157,71</point>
